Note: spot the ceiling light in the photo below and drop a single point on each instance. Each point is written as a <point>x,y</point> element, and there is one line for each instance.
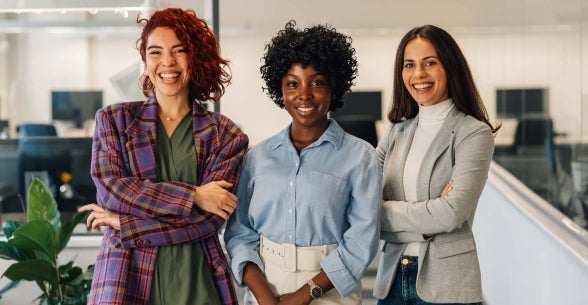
<point>66,6</point>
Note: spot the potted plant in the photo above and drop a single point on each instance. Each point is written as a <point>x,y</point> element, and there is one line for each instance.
<point>35,246</point>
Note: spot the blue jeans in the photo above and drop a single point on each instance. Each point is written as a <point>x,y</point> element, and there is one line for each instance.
<point>403,290</point>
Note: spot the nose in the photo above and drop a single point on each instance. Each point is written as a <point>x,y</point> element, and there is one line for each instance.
<point>420,71</point>
<point>168,59</point>
<point>305,92</point>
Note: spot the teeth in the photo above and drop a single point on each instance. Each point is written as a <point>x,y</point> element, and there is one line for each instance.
<point>422,86</point>
<point>305,109</point>
<point>169,75</point>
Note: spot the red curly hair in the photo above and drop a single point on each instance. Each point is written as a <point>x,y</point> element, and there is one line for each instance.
<point>209,73</point>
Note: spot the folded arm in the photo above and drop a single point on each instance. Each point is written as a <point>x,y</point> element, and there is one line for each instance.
<point>179,212</point>
<point>473,155</point>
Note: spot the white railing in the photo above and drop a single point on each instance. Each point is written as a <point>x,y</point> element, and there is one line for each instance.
<point>530,253</point>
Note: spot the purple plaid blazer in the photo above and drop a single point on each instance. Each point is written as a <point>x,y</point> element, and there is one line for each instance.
<point>156,213</point>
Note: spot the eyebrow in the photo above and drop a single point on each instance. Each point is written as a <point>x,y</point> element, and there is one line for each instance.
<point>179,45</point>
<point>424,58</point>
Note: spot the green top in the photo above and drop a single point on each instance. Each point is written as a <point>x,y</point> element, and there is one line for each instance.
<point>181,275</point>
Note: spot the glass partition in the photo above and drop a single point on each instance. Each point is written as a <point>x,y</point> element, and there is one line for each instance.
<point>529,60</point>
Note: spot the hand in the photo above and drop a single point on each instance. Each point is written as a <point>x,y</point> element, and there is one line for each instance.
<point>295,298</point>
<point>302,294</point>
<point>448,188</point>
<point>100,217</point>
<point>215,198</point>
<point>258,285</point>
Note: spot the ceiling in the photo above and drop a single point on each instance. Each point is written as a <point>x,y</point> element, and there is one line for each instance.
<point>243,17</point>
<point>393,15</point>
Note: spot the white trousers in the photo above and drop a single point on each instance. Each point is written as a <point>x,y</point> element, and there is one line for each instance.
<point>288,267</point>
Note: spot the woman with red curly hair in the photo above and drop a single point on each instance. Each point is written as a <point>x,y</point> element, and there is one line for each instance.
<point>165,169</point>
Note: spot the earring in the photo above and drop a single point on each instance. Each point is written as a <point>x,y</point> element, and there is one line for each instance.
<point>145,85</point>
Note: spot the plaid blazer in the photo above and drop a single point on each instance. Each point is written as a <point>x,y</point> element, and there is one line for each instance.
<point>156,213</point>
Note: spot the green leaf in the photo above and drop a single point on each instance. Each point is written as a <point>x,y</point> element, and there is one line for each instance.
<point>33,270</point>
<point>74,276</point>
<point>9,227</point>
<point>63,270</point>
<point>41,204</point>
<point>68,227</point>
<point>36,245</point>
<point>11,252</point>
<point>38,235</point>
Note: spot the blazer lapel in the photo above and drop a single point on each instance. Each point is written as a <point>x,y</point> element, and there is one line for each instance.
<point>141,140</point>
<point>442,141</point>
<point>400,153</point>
<point>202,129</point>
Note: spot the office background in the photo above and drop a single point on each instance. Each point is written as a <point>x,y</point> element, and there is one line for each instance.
<point>510,45</point>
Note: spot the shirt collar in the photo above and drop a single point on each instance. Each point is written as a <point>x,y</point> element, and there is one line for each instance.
<point>333,134</point>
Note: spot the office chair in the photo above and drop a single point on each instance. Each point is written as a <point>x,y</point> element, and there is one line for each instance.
<point>36,130</point>
<point>580,181</point>
<point>4,129</point>
<point>535,159</point>
<point>534,130</point>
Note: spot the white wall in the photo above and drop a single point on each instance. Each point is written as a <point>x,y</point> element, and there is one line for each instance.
<point>549,58</point>
<point>498,60</point>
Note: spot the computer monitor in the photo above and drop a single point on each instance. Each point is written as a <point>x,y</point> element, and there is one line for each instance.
<point>359,114</point>
<point>515,103</point>
<point>360,105</point>
<point>75,106</point>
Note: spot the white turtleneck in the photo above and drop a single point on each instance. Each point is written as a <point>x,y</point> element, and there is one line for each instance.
<point>431,118</point>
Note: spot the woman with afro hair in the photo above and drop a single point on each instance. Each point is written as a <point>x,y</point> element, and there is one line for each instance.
<point>307,220</point>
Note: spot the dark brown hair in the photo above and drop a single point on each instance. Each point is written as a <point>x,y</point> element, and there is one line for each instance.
<point>460,83</point>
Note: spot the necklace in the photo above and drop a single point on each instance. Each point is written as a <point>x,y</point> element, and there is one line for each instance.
<point>167,117</point>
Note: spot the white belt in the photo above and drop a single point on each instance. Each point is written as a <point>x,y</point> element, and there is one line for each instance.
<point>293,258</point>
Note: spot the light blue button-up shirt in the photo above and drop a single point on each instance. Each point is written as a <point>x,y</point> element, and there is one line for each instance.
<point>329,194</point>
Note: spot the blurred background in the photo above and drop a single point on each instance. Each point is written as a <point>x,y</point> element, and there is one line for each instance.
<point>61,60</point>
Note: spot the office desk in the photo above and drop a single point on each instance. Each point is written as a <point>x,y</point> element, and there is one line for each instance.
<point>81,153</point>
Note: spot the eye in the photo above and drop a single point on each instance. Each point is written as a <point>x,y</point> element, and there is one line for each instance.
<point>154,52</point>
<point>408,65</point>
<point>431,63</point>
<point>291,84</point>
<point>318,83</point>
<point>180,50</point>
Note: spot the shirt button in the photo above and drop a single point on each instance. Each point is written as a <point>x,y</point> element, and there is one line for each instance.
<point>291,183</point>
<point>142,243</point>
<point>290,237</point>
<point>405,261</point>
<point>290,211</point>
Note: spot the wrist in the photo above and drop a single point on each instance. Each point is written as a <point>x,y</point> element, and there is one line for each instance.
<point>314,291</point>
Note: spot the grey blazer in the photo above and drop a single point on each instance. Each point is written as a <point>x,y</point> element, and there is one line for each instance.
<point>448,271</point>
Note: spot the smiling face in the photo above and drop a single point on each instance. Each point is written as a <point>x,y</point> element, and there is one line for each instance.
<point>423,73</point>
<point>307,96</point>
<point>166,64</point>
